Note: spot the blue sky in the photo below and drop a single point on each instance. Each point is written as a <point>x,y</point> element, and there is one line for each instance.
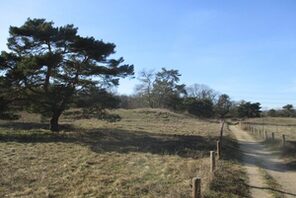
<point>244,48</point>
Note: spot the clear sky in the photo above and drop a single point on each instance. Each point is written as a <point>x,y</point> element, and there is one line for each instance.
<point>245,48</point>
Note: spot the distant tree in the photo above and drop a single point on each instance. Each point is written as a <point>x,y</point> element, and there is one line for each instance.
<point>201,91</point>
<point>223,105</point>
<point>52,64</point>
<point>95,100</point>
<point>124,101</point>
<point>233,110</point>
<point>131,101</point>
<point>272,113</point>
<point>288,110</point>
<point>249,110</point>
<point>144,89</point>
<point>8,105</point>
<point>166,92</point>
<point>199,107</point>
<point>4,100</point>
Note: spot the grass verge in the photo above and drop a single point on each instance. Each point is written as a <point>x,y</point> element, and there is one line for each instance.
<point>228,181</point>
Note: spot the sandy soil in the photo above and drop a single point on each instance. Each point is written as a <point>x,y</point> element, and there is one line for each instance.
<point>256,156</point>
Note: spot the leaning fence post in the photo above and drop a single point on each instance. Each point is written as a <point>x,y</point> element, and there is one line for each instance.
<point>219,149</point>
<point>212,158</point>
<point>283,140</point>
<point>221,130</point>
<point>196,187</point>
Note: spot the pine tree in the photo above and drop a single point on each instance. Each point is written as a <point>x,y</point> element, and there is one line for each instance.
<point>51,64</point>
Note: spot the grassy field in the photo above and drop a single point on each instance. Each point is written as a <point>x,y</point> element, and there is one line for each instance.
<point>148,153</point>
<point>277,125</point>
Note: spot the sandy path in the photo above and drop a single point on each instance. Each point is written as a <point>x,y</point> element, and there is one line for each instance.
<point>256,156</point>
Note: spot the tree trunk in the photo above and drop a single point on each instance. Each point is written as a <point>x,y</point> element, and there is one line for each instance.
<point>54,122</point>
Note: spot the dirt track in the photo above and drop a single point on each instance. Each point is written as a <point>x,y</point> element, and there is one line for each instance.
<point>256,156</point>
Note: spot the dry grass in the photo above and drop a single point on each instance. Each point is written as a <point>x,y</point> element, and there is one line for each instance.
<point>155,121</point>
<point>230,181</point>
<point>71,170</point>
<point>277,125</point>
<point>149,153</point>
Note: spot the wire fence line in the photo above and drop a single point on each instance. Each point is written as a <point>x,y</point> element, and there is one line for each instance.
<point>289,130</point>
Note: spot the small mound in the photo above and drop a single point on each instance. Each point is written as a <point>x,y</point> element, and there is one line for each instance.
<point>159,113</point>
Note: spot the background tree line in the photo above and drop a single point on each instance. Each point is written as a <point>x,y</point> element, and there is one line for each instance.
<point>286,111</point>
<point>162,89</point>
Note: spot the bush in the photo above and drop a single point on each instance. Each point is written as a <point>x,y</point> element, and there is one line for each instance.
<point>199,107</point>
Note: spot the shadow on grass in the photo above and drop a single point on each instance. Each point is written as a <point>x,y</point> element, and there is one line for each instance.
<point>24,125</point>
<point>112,140</point>
<point>32,125</point>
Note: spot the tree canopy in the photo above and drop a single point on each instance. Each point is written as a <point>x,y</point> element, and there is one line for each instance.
<point>49,65</point>
<point>223,105</point>
<point>249,110</point>
<point>160,89</point>
<point>166,90</point>
<point>201,107</point>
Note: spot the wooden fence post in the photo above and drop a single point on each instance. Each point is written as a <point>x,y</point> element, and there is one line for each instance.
<point>265,135</point>
<point>221,130</point>
<point>213,163</point>
<point>283,140</point>
<point>272,136</point>
<point>218,149</point>
<point>196,187</point>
